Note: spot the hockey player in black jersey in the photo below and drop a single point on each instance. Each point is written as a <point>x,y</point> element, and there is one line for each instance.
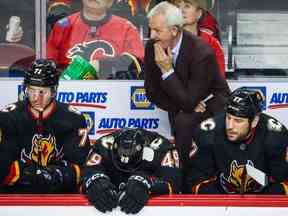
<point>126,167</point>
<point>45,142</point>
<point>241,151</point>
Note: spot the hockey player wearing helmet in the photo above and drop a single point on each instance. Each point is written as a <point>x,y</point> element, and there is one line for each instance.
<point>51,137</point>
<point>40,85</point>
<point>242,151</point>
<point>128,166</point>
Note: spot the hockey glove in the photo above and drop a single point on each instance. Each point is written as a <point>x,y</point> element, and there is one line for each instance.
<point>101,192</point>
<point>135,195</point>
<point>42,179</point>
<point>274,188</point>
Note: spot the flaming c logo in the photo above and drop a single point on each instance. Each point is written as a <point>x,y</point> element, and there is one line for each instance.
<point>238,178</point>
<point>42,151</point>
<point>92,50</point>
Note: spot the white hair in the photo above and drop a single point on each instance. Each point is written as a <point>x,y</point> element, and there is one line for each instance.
<point>173,15</point>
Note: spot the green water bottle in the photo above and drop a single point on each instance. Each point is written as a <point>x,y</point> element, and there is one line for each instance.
<point>79,69</point>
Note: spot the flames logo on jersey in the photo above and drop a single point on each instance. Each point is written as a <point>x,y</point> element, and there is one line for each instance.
<point>43,150</point>
<point>92,50</point>
<point>238,178</point>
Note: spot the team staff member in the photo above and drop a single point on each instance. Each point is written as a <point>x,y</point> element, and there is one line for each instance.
<point>178,82</point>
<point>226,147</point>
<point>127,167</point>
<point>51,141</point>
<point>192,11</point>
<point>207,22</point>
<point>109,42</point>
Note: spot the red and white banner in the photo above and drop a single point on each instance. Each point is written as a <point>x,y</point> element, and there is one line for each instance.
<point>216,205</point>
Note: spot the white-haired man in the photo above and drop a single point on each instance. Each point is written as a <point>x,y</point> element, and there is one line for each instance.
<point>181,71</point>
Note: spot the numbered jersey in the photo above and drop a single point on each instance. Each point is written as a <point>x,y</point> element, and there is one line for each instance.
<point>159,160</point>
<point>63,135</point>
<point>213,156</point>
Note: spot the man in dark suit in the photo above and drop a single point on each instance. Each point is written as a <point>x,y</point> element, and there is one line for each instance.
<point>180,73</point>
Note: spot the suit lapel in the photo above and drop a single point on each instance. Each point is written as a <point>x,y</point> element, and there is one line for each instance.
<point>181,64</point>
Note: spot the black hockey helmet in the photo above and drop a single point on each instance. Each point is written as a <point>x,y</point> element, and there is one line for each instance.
<point>128,149</point>
<point>42,73</point>
<point>245,102</point>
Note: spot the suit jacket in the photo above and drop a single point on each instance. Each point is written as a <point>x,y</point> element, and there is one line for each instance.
<point>196,75</point>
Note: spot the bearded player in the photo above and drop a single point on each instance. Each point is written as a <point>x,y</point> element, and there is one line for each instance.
<point>242,151</point>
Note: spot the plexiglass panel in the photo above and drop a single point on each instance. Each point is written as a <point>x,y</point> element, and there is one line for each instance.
<point>17,34</point>
<point>255,36</point>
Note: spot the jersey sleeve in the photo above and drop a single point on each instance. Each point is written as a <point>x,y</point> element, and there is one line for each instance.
<point>9,173</point>
<point>76,141</point>
<point>277,158</point>
<point>219,53</point>
<point>166,179</point>
<point>76,145</point>
<point>95,160</point>
<point>201,173</point>
<point>57,39</point>
<point>133,43</point>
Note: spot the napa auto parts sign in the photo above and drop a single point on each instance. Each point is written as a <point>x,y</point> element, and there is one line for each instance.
<point>116,104</point>
<point>110,104</point>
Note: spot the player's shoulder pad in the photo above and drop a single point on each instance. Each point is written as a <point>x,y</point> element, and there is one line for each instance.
<point>158,142</point>
<point>69,109</point>
<point>208,125</point>
<point>9,108</point>
<point>272,124</point>
<point>72,114</point>
<point>106,141</point>
<point>13,107</point>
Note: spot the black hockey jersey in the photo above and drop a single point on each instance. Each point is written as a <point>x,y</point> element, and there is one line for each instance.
<point>218,165</point>
<point>160,163</point>
<point>61,138</point>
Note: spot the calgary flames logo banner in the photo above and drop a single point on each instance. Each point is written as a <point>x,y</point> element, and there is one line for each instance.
<point>238,181</point>
<point>92,50</point>
<point>43,150</point>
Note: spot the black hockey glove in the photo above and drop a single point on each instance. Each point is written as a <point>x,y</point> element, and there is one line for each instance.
<point>101,192</point>
<point>135,195</point>
<point>42,179</point>
<point>274,188</point>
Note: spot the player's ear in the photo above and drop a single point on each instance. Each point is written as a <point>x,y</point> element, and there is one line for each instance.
<point>174,30</point>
